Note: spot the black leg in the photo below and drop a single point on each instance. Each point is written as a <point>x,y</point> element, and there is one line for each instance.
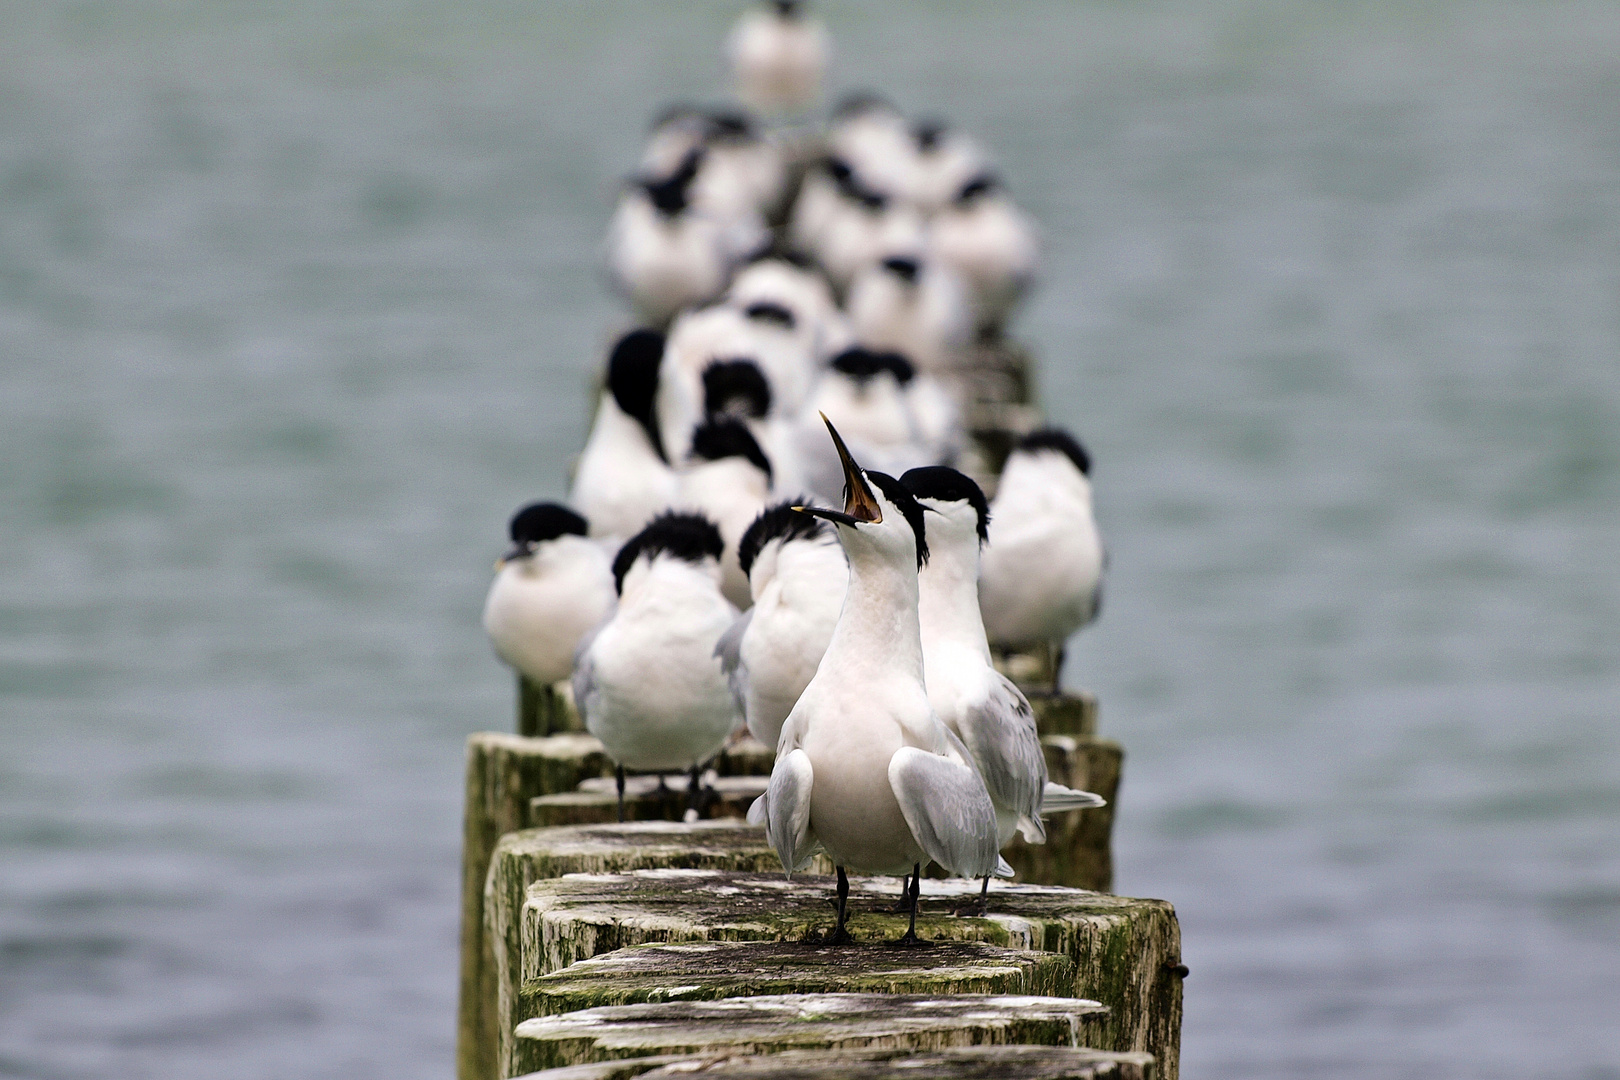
<point>1058,652</point>
<point>694,794</point>
<point>840,936</point>
<point>915,891</point>
<point>618,775</point>
<point>975,908</point>
<point>902,905</point>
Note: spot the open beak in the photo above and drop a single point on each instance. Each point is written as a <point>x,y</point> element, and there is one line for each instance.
<point>860,505</point>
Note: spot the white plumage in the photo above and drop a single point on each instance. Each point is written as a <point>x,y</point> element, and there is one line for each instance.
<point>648,684</point>
<point>1041,577</point>
<point>778,56</point>
<point>622,478</point>
<point>554,587</point>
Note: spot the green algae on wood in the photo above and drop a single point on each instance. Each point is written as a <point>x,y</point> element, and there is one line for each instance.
<point>503,773</point>
<point>546,709</point>
<point>1001,1062</point>
<point>708,970</point>
<point>1072,713</point>
<point>761,1025</point>
<point>524,857</point>
<point>1125,950</point>
<point>1078,851</point>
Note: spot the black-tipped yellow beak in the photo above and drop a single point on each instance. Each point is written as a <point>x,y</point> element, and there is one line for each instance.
<point>859,502</point>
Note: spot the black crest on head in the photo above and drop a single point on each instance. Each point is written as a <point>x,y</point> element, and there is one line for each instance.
<point>668,194</point>
<point>787,9</point>
<point>735,387</point>
<point>724,438</point>
<point>778,522</point>
<point>1052,438</point>
<point>861,101</point>
<point>903,267</point>
<point>945,484</point>
<point>542,521</point>
<point>896,492</point>
<point>862,364</point>
<point>980,185</point>
<point>689,537</point>
<point>926,134</point>
<point>730,124</point>
<point>769,311</point>
<point>633,380</point>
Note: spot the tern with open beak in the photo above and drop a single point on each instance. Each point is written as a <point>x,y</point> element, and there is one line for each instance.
<point>864,767</point>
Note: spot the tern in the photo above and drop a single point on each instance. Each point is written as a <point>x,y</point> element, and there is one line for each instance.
<point>864,768</point>
<point>728,481</point>
<point>623,477</point>
<point>980,704</point>
<point>550,590</point>
<point>918,307</point>
<point>647,683</point>
<point>796,574</point>
<point>778,56</point>
<point>991,244</point>
<point>1042,573</point>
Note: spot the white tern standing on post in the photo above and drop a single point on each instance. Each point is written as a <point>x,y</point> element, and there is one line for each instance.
<point>864,768</point>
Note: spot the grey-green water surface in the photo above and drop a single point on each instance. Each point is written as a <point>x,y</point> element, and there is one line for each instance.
<point>299,300</point>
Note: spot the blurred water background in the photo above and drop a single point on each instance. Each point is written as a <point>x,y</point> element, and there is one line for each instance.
<point>298,301</point>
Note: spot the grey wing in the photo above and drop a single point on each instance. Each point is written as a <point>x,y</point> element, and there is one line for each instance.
<point>584,677</point>
<point>948,810</point>
<point>1002,737</point>
<point>787,810</point>
<point>729,650</point>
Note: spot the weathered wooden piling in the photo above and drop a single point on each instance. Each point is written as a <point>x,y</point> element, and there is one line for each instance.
<point>505,774</point>
<point>546,709</point>
<point>997,1062</point>
<point>764,1025</point>
<point>710,970</point>
<point>522,858</point>
<point>1079,843</point>
<point>1126,951</point>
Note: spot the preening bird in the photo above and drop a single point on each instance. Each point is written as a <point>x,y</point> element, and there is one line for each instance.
<point>648,683</point>
<point>623,477</point>
<point>982,706</point>
<point>551,589</point>
<point>796,573</point>
<point>864,767</point>
<point>778,55</point>
<point>1041,576</point>
<point>728,480</point>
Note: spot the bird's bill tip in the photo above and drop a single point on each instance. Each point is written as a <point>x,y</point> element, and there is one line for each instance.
<point>859,502</point>
<point>836,516</point>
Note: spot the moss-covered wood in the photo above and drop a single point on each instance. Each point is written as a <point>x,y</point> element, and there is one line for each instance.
<point>597,803</point>
<point>524,857</point>
<point>1125,950</point>
<point>546,709</point>
<point>996,1062</point>
<point>763,1025</point>
<point>1078,851</point>
<point>503,773</point>
<point>1073,713</point>
<point>709,970</point>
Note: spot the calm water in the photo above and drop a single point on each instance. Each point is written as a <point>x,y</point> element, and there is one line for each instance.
<point>297,303</point>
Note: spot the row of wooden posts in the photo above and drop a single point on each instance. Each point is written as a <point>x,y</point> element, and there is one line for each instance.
<point>656,947</point>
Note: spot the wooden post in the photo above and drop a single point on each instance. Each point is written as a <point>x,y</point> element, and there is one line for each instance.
<point>763,1025</point>
<point>546,709</point>
<point>708,971</point>
<point>1002,1062</point>
<point>503,773</point>
<point>522,858</point>
<point>597,802</point>
<point>1078,851</point>
<point>1126,951</point>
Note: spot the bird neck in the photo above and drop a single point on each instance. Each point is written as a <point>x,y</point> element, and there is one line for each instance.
<point>878,628</point>
<point>948,600</point>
